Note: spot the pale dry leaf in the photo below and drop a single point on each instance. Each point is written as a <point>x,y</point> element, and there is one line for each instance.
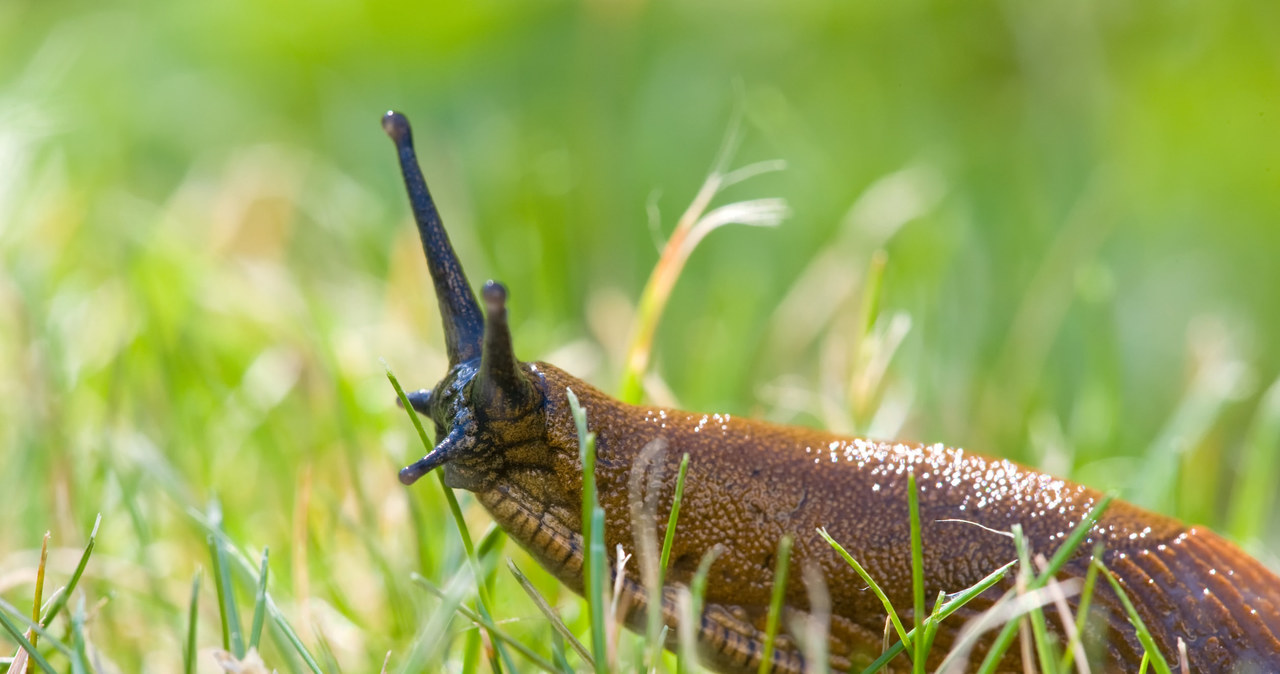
<point>251,663</point>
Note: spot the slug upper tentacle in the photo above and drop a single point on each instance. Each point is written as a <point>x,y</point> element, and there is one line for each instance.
<point>463,325</point>
<point>500,384</point>
<point>505,432</point>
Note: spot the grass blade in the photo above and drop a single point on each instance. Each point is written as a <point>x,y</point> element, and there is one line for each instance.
<point>593,516</point>
<point>931,625</point>
<point>917,570</point>
<point>675,514</point>
<point>1060,557</point>
<point>558,654</point>
<point>697,590</point>
<point>222,604</point>
<point>694,225</point>
<point>1039,630</point>
<point>79,663</point>
<point>35,605</point>
<point>61,601</point>
<point>232,637</point>
<point>1082,613</point>
<point>1144,636</point>
<point>775,604</point>
<point>561,629</point>
<point>283,625</point>
<point>471,650</point>
<point>1073,541</point>
<point>470,614</point>
<point>25,643</point>
<point>875,587</point>
<point>260,602</point>
<point>35,627</point>
<point>598,563</point>
<point>458,519</point>
<point>189,653</point>
<point>246,567</point>
<point>655,607</point>
<point>1255,488</point>
<point>956,602</point>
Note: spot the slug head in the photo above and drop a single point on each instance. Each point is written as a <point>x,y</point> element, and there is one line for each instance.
<point>489,401</point>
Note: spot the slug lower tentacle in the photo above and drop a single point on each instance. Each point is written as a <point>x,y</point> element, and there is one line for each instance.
<point>506,433</point>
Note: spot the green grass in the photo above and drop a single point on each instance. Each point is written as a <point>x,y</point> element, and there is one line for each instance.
<point>595,578</point>
<point>1044,231</point>
<point>775,604</point>
<point>917,573</point>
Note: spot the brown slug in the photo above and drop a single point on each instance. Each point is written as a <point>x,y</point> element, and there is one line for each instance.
<point>505,432</point>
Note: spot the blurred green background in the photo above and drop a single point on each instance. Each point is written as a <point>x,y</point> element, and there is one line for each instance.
<point>205,251</point>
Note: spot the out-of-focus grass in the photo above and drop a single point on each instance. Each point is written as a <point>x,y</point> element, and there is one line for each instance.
<point>204,252</point>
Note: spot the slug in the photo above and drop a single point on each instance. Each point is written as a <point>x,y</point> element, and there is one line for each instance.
<point>505,432</point>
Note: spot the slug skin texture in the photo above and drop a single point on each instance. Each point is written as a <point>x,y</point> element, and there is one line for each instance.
<point>506,433</point>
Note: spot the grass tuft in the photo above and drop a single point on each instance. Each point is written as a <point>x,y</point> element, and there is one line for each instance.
<point>1064,552</point>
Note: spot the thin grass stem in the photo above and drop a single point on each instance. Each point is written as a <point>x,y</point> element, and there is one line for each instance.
<point>875,587</point>
<point>35,605</point>
<point>193,616</point>
<point>917,570</point>
<point>593,516</point>
<point>697,591</point>
<point>775,605</point>
<point>61,601</point>
<point>488,625</point>
<point>1144,635</point>
<point>655,607</point>
<point>80,662</point>
<point>562,631</point>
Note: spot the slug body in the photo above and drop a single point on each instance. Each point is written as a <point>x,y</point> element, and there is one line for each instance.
<point>505,432</point>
